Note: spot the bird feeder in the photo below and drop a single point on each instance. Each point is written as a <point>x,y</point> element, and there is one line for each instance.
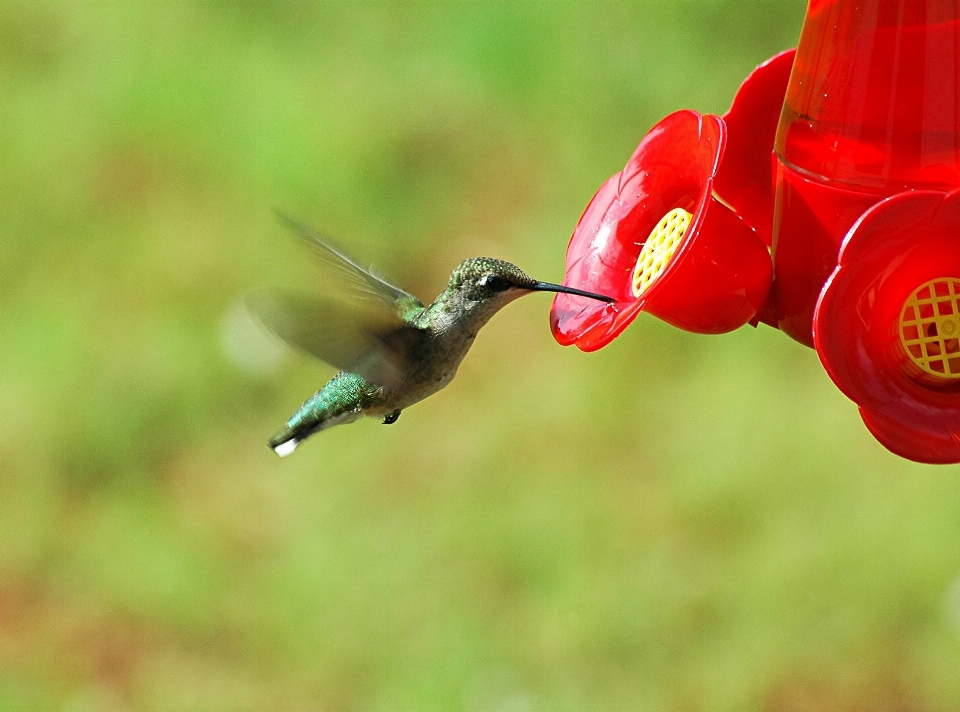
<point>824,203</point>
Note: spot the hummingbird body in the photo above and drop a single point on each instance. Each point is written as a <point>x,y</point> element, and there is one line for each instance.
<point>392,350</point>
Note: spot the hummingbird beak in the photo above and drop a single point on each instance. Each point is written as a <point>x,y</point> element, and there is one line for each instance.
<point>547,287</point>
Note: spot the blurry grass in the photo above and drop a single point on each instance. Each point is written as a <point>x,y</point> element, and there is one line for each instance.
<point>675,522</point>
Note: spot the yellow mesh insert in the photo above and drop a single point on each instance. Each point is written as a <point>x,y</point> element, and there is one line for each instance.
<point>930,328</point>
<point>659,248</point>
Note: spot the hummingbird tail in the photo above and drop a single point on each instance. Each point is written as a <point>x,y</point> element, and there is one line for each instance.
<point>305,423</point>
<point>284,442</point>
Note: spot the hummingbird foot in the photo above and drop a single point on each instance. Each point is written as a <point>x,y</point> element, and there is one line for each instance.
<point>392,417</point>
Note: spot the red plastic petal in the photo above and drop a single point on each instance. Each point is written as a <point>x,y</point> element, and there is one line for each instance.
<point>745,177</point>
<point>923,437</point>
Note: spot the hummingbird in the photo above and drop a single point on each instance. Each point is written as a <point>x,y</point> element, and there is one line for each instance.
<point>391,349</point>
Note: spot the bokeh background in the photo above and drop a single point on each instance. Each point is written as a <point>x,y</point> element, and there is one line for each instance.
<point>676,522</point>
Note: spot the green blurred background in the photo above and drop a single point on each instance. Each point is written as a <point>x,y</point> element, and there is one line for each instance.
<point>673,523</point>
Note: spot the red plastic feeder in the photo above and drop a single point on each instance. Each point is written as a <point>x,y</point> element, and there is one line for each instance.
<point>844,159</point>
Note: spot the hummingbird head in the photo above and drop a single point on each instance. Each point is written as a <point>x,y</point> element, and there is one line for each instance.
<point>484,280</point>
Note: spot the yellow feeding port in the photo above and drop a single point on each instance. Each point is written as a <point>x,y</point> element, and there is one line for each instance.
<point>930,328</point>
<point>659,248</point>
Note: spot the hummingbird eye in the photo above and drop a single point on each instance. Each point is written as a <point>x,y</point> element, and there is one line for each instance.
<point>495,283</point>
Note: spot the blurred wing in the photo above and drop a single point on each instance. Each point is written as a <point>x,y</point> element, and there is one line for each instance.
<point>360,283</point>
<point>370,340</point>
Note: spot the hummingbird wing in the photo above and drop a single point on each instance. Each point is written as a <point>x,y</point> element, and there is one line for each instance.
<point>351,280</point>
<point>366,338</point>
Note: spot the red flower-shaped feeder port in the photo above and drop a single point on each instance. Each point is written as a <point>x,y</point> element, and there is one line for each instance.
<point>887,325</point>
<point>656,239</point>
